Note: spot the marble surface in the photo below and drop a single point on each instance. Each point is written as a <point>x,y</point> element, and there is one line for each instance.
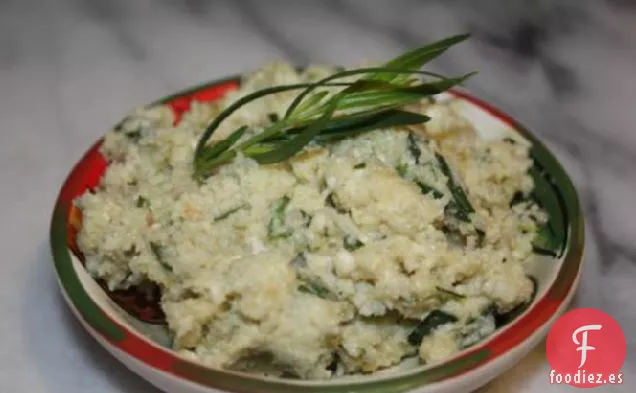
<point>70,68</point>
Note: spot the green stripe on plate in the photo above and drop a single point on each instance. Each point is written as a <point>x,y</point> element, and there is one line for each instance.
<point>71,284</point>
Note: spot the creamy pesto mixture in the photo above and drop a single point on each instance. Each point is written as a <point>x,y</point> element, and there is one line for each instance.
<point>346,258</point>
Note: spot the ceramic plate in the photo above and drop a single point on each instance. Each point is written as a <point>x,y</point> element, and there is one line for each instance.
<point>127,324</point>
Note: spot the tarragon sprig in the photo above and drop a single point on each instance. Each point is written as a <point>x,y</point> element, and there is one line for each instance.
<point>371,102</point>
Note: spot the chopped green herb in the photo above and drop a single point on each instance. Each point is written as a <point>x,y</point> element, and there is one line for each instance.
<point>277,224</point>
<point>426,189</point>
<point>142,201</point>
<point>228,213</point>
<point>552,235</point>
<point>316,289</point>
<point>360,165</point>
<point>460,206</point>
<point>401,169</point>
<point>433,320</point>
<point>450,293</point>
<point>351,243</point>
<point>157,250</point>
<point>414,148</point>
<point>134,136</point>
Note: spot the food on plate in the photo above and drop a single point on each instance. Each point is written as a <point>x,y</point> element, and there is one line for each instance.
<point>331,228</point>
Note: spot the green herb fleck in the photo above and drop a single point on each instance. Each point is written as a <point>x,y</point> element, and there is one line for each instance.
<point>316,289</point>
<point>157,250</point>
<point>428,190</point>
<point>414,148</point>
<point>142,201</point>
<point>552,235</point>
<point>450,293</point>
<point>228,213</point>
<point>277,223</point>
<point>460,206</point>
<point>401,169</point>
<point>433,320</point>
<point>351,243</point>
<point>360,165</point>
<point>134,136</point>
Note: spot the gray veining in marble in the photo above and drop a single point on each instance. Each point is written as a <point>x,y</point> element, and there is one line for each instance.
<point>70,68</point>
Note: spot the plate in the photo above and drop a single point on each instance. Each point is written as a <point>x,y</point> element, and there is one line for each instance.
<point>129,325</point>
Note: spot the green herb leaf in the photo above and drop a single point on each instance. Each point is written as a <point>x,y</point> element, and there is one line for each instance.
<point>134,136</point>
<point>222,145</point>
<point>157,250</point>
<point>360,165</point>
<point>310,102</point>
<point>289,148</point>
<point>277,224</point>
<point>460,206</point>
<point>309,118</point>
<point>433,320</point>
<point>401,169</point>
<point>426,189</point>
<point>416,58</point>
<point>450,293</point>
<point>228,213</point>
<point>142,201</point>
<point>316,289</point>
<point>209,131</point>
<point>370,122</point>
<point>351,243</point>
<point>414,147</point>
<point>390,96</point>
<point>550,238</point>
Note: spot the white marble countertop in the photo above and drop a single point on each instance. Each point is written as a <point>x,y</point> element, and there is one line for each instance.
<point>70,68</point>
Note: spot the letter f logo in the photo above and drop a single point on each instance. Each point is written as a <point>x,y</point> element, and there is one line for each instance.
<point>583,344</point>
